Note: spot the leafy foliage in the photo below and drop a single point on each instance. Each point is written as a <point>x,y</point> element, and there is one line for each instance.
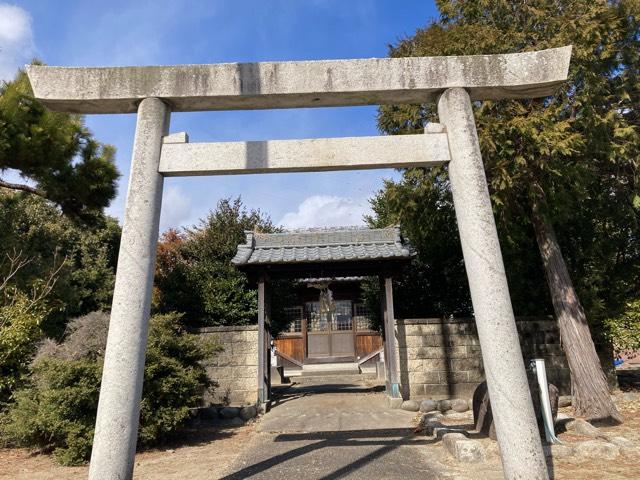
<point>19,333</point>
<point>575,153</point>
<point>55,151</point>
<point>624,331</point>
<point>194,274</point>
<point>88,253</point>
<point>435,284</point>
<point>57,410</point>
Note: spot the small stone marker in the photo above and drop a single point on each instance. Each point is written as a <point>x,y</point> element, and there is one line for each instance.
<point>463,449</point>
<point>483,415</point>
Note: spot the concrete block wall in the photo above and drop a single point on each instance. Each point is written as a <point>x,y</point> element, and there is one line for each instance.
<point>235,369</point>
<point>441,358</point>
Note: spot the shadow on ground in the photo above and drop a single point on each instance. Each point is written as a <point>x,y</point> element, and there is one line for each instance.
<point>331,431</point>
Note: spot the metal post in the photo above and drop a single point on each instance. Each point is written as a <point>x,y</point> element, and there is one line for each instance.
<point>518,436</point>
<point>116,432</point>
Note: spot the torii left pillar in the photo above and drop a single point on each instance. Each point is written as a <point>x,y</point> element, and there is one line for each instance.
<point>114,442</point>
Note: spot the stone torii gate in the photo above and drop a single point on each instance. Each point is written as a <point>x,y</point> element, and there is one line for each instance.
<point>155,92</point>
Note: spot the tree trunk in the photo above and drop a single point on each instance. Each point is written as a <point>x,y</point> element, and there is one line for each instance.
<point>591,397</point>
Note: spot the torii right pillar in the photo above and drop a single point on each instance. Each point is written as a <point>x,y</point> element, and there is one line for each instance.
<point>515,422</point>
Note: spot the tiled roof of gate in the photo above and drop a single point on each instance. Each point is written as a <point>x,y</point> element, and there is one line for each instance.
<point>345,244</point>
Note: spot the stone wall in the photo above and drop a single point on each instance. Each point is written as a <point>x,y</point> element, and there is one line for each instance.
<point>441,358</point>
<point>235,369</point>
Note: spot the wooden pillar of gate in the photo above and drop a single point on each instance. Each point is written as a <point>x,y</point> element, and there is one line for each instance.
<point>263,344</point>
<point>392,372</point>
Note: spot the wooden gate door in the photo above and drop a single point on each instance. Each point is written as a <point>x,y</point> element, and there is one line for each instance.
<point>330,334</point>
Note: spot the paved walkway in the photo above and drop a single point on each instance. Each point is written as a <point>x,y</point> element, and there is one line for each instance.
<point>331,431</point>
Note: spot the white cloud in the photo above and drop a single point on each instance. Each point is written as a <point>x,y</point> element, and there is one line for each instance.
<point>327,211</point>
<point>176,209</point>
<point>16,40</point>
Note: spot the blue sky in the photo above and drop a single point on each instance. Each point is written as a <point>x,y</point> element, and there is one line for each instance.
<point>96,33</point>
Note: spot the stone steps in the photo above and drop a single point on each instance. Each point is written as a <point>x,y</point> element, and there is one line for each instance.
<point>330,369</point>
<point>333,378</point>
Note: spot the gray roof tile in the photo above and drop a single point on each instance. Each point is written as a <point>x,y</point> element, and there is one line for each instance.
<point>332,245</point>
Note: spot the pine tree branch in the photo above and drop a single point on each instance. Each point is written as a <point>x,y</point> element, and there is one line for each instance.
<point>22,187</point>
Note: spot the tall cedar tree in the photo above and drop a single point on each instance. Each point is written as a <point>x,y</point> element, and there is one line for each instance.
<point>54,152</point>
<point>567,159</point>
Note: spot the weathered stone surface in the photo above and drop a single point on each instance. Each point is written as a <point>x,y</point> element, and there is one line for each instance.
<point>558,451</point>
<point>208,413</point>
<point>319,154</point>
<point>449,441</point>
<point>483,415</point>
<point>627,447</point>
<point>565,401</point>
<point>410,405</point>
<point>444,405</point>
<point>582,427</point>
<point>117,419</point>
<point>235,369</point>
<point>428,406</point>
<point>247,413</point>
<point>522,455</point>
<point>229,412</point>
<point>596,449</point>
<point>463,449</point>
<point>431,421</point>
<point>460,405</point>
<point>229,86</point>
<point>393,402</point>
<point>622,442</point>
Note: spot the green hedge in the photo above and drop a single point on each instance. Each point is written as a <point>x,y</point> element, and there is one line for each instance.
<point>56,412</point>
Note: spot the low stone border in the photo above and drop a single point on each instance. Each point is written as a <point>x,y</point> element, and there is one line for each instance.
<point>459,405</point>
<point>465,450</point>
<point>233,415</point>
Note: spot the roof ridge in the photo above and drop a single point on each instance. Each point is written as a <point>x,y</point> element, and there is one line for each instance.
<point>315,230</point>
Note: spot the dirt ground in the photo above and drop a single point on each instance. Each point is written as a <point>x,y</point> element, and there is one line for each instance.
<point>205,457</point>
<point>209,453</point>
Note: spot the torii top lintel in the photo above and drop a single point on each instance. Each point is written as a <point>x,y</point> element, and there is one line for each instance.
<point>248,86</point>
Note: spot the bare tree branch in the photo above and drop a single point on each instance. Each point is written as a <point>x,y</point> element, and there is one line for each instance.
<point>16,263</point>
<point>22,187</point>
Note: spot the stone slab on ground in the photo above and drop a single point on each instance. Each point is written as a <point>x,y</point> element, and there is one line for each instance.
<point>463,449</point>
<point>299,410</point>
<point>332,434</point>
